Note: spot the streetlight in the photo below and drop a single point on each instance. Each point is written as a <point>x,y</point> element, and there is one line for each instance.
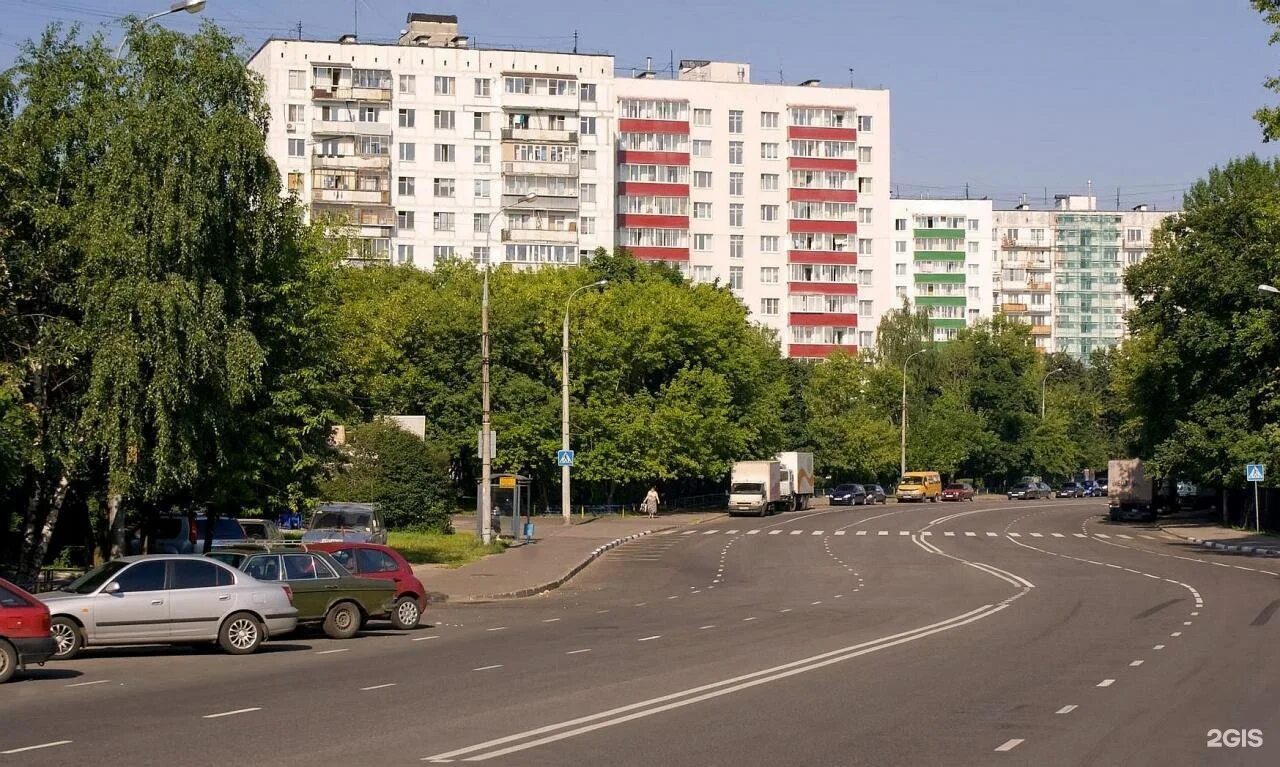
<point>486,457</point>
<point>564,399</point>
<point>190,6</point>
<point>1042,383</point>
<point>1269,289</point>
<point>904,409</point>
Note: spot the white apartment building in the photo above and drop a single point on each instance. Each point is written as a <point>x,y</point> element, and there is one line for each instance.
<point>429,148</point>
<point>942,259</point>
<point>1062,270</point>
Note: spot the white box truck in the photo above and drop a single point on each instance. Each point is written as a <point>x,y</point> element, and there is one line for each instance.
<point>1129,491</point>
<point>797,479</point>
<point>755,487</point>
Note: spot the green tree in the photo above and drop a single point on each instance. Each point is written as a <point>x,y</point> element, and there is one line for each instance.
<point>1269,117</point>
<point>851,438</point>
<point>406,476</point>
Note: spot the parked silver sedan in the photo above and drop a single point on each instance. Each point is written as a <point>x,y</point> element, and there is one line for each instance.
<point>168,599</point>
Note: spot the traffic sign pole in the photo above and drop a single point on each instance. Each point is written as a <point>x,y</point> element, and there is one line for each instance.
<point>1256,473</point>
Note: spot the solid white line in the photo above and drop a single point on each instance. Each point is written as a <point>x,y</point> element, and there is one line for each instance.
<point>232,713</point>
<point>775,532</point>
<point>646,639</point>
<point>488,668</point>
<point>51,744</point>
<point>575,652</point>
<point>1066,709</point>
<point>330,652</point>
<point>861,532</point>
<point>497,628</point>
<point>550,620</point>
<point>1106,682</point>
<point>89,684</point>
<point>1009,745</point>
<point>1136,663</point>
<point>753,532</point>
<point>423,639</point>
<point>378,687</point>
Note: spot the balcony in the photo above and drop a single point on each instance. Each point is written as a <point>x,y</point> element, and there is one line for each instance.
<point>1039,287</point>
<point>821,163</point>
<point>938,234</point>
<point>1013,308</point>
<point>822,319</point>
<point>821,133</point>
<point>953,277</point>
<point>540,134</point>
<point>811,194</point>
<point>653,220</point>
<point>822,226</point>
<point>822,257</point>
<point>518,168</point>
<point>352,196</point>
<point>348,93</point>
<point>541,235</point>
<point>657,252</point>
<point>824,288</point>
<point>567,201</point>
<point>1009,244</point>
<point>644,125</point>
<point>351,161</point>
<point>819,351</point>
<point>938,255</point>
<point>1041,330</point>
<point>350,127</point>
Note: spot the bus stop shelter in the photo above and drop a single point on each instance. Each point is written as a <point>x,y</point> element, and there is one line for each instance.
<point>511,506</point>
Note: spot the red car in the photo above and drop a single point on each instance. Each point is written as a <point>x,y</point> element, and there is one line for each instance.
<point>373,560</point>
<point>957,491</point>
<point>24,630</point>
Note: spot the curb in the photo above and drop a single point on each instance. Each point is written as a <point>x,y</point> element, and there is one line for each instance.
<point>558,582</point>
<point>1232,547</point>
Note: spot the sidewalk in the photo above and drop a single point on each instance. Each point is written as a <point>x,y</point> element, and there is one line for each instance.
<point>555,555</point>
<point>1203,532</point>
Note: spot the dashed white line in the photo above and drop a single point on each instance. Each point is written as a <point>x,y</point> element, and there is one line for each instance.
<point>993,535</point>
<point>674,596</point>
<point>689,532</point>
<point>840,532</point>
<point>378,687</point>
<point>814,604</point>
<point>50,744</point>
<point>1158,647</point>
<point>1080,535</point>
<point>971,535</point>
<point>647,639</point>
<point>949,534</point>
<point>641,604</point>
<point>497,628</point>
<point>488,668</point>
<point>550,620</point>
<point>232,713</point>
<point>576,652</point>
<point>904,532</point>
<point>861,532</point>
<point>1106,682</point>
<point>785,610</point>
<point>1186,623</point>
<point>775,532</point>
<point>749,619</point>
<point>704,628</point>
<point>753,532</point>
<point>1010,744</point>
<point>1015,535</point>
<point>1136,663</point>
<point>331,652</point>
<point>423,639</point>
<point>796,532</point>
<point>1037,535</point>
<point>1058,535</point>
<point>601,612</point>
<point>1126,537</point>
<point>89,684</point>
<point>817,532</point>
<point>883,532</point>
<point>711,532</point>
<point>1176,634</point>
<point>1066,709</point>
<point>927,533</point>
<point>731,532</point>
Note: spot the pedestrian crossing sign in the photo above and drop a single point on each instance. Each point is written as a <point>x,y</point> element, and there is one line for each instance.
<point>1255,472</point>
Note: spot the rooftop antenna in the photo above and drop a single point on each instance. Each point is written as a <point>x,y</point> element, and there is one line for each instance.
<point>355,15</point>
<point>850,77</point>
<point>575,41</point>
<point>299,28</point>
<point>780,80</point>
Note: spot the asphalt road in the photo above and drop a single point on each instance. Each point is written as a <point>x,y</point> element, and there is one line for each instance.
<point>994,632</point>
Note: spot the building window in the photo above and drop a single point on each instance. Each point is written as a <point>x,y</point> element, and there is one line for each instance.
<point>445,153</point>
<point>442,222</point>
<point>587,92</point>
<point>735,214</point>
<point>587,192</point>
<point>769,212</point>
<point>587,159</point>
<point>703,273</point>
<point>442,252</point>
<point>737,246</point>
<point>701,147</point>
<point>702,210</point>
<point>973,247</point>
<point>587,225</point>
<point>404,219</point>
<point>865,338</point>
<point>297,147</point>
<point>900,270</point>
<point>769,243</point>
<point>735,278</point>
<point>442,187</point>
<point>444,86</point>
<point>295,181</point>
<point>735,184</point>
<point>864,215</point>
<point>900,291</point>
<point>404,254</point>
<point>900,246</point>
<point>297,79</point>
<point>769,307</point>
<point>443,119</point>
<point>864,277</point>
<point>482,187</point>
<point>406,118</point>
<point>864,308</point>
<point>768,119</point>
<point>702,117</point>
<point>702,242</point>
<point>404,185</point>
<point>484,86</point>
<point>900,225</point>
<point>973,224</point>
<point>480,121</point>
<point>1037,235</point>
<point>864,246</point>
<point>587,126</point>
<point>769,182</point>
<point>297,113</point>
<point>483,155</point>
<point>1133,235</point>
<point>769,275</point>
<point>408,84</point>
<point>768,151</point>
<point>735,120</point>
<point>973,293</point>
<point>407,151</point>
<point>864,154</point>
<point>735,152</point>
<point>702,179</point>
<point>864,123</point>
<point>864,185</point>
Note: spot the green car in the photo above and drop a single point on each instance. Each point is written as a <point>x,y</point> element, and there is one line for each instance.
<point>324,592</point>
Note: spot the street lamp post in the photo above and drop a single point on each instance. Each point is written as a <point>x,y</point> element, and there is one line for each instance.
<point>1042,384</point>
<point>904,409</point>
<point>1269,289</point>
<point>486,450</point>
<point>190,6</point>
<point>564,399</point>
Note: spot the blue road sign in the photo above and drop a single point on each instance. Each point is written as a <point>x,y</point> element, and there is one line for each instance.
<point>564,458</point>
<point>1255,472</point>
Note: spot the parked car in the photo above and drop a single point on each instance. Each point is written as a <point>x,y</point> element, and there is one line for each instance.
<point>167,599</point>
<point>1070,490</point>
<point>1102,488</point>
<point>260,529</point>
<point>175,534</point>
<point>1026,491</point>
<point>346,522</point>
<point>372,560</point>
<point>24,631</point>
<point>920,486</point>
<point>1092,489</point>
<point>876,494</point>
<point>958,491</point>
<point>848,495</point>
<point>1045,490</point>
<point>323,591</point>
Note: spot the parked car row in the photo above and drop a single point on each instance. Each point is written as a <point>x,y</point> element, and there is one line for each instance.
<point>238,596</point>
<point>857,495</point>
<point>1033,490</point>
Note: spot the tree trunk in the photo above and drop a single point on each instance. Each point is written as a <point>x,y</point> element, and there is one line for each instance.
<point>115,526</point>
<point>50,523</point>
<point>30,526</point>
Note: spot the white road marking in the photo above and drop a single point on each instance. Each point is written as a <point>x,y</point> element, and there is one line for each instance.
<point>883,532</point>
<point>785,610</point>
<point>646,639</point>
<point>1148,537</point>
<point>971,535</point>
<point>550,620</point>
<point>1080,535</point>
<point>753,532</point>
<point>1176,634</point>
<point>1186,623</point>
<point>330,652</point>
<point>812,604</point>
<point>600,612</point>
<point>1158,647</point>
<point>775,532</point>
<point>796,532</point>
<point>993,535</point>
<point>575,652</point>
<point>689,532</point>
<point>1066,709</point>
<point>488,668</point>
<point>1058,535</point>
<point>1102,535</point>
<point>841,532</point>
<point>423,639</point>
<point>731,532</point>
<point>89,684</point>
<point>1037,535</point>
<point>904,532</point>
<point>1106,682</point>
<point>50,744</point>
<point>704,628</point>
<point>711,532</point>
<point>1122,535</point>
<point>749,619</point>
<point>378,687</point>
<point>641,604</point>
<point>699,591</point>
<point>1136,663</point>
<point>497,628</point>
<point>861,532</point>
<point>232,713</point>
<point>927,532</point>
<point>949,534</point>
<point>1015,535</point>
<point>817,532</point>
<point>1010,744</point>
<point>1196,613</point>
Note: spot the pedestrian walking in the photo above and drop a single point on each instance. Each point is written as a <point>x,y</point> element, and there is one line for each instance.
<point>651,503</point>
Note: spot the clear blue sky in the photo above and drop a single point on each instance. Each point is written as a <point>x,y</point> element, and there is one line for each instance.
<point>1008,96</point>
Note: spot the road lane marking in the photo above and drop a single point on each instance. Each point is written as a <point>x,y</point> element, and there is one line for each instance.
<point>796,532</point>
<point>1010,744</point>
<point>575,652</point>
<point>775,532</point>
<point>993,535</point>
<point>1158,647</point>
<point>749,619</point>
<point>1136,663</point>
<point>601,612</point>
<point>949,534</point>
<point>378,687</point>
<point>927,532</point>
<point>841,532</point>
<point>1037,535</point>
<point>488,668</point>
<point>1126,537</point>
<point>1015,535</point>
<point>753,532</point>
<point>814,604</point>
<point>1106,682</point>
<point>1186,623</point>
<point>1176,634</point>
<point>550,620</point>
<point>704,628</point>
<point>711,532</point>
<point>731,532</point>
<point>497,628</point>
<point>817,532</point>
<point>689,532</point>
<point>1059,535</point>
<point>861,532</point>
<point>1102,535</point>
<point>330,652</point>
<point>883,532</point>
<point>674,596</point>
<point>50,744</point>
<point>1080,535</point>
<point>89,684</point>
<point>232,713</point>
<point>1066,709</point>
<point>904,532</point>
<point>646,639</point>
<point>971,535</point>
<point>423,639</point>
<point>641,604</point>
<point>785,610</point>
<point>1148,537</point>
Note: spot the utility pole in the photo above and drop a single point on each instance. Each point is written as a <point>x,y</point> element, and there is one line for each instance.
<point>564,401</point>
<point>575,41</point>
<point>299,29</point>
<point>904,411</point>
